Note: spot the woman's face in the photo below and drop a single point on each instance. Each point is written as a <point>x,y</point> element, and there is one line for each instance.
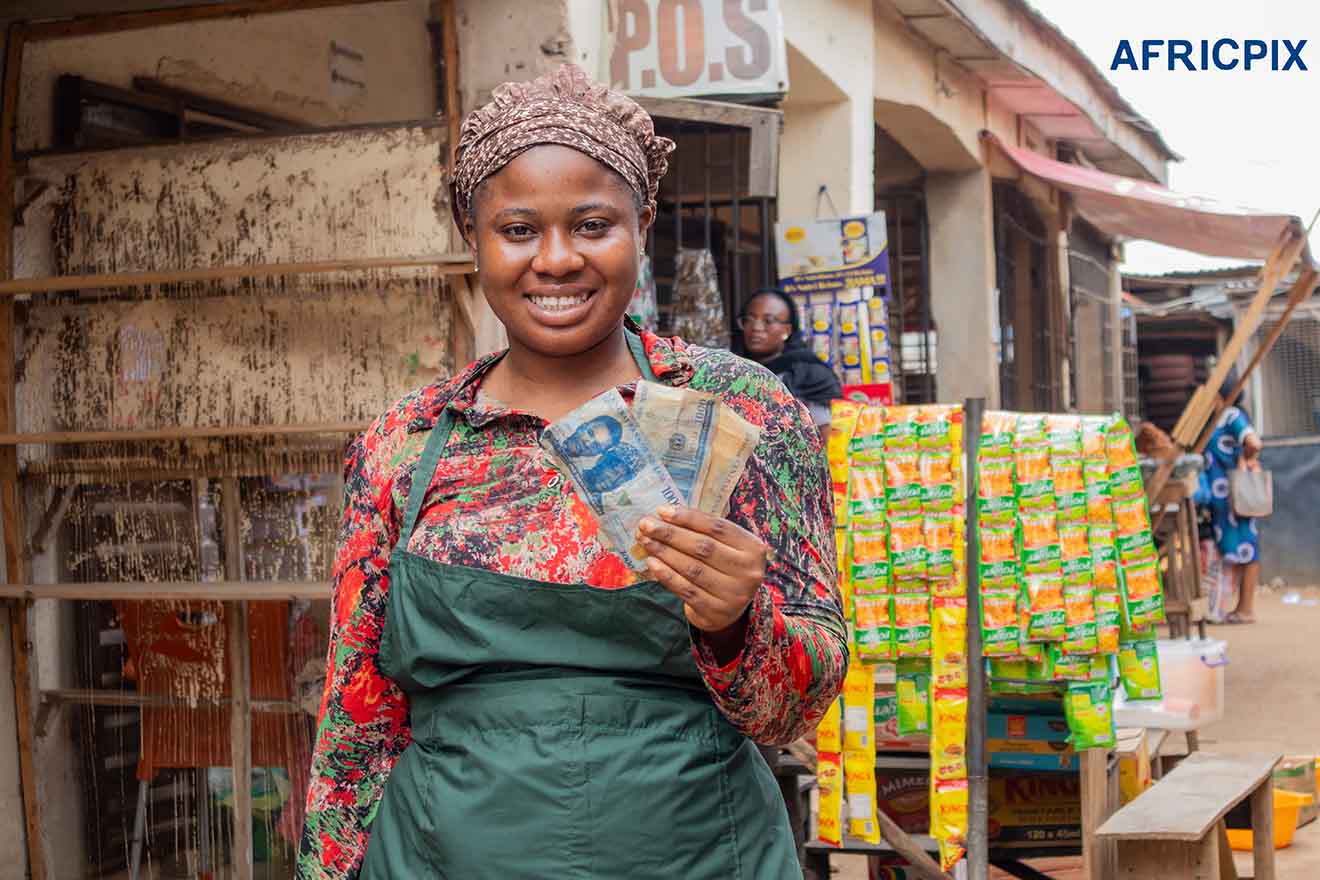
<point>558,237</point>
<point>766,326</point>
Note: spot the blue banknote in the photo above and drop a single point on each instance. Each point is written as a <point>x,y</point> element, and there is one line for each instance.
<point>601,448</point>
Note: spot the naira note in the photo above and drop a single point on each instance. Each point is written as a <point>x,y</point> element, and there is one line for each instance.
<point>733,443</point>
<point>601,448</point>
<point>680,426</point>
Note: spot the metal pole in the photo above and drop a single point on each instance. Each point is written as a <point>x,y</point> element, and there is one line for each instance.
<point>978,781</point>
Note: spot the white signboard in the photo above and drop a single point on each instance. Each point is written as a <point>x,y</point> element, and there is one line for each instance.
<point>686,48</point>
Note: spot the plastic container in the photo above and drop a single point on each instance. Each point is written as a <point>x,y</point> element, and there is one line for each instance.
<point>1287,806</point>
<point>1192,679</point>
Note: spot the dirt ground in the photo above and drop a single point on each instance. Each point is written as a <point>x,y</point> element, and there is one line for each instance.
<point>1272,695</point>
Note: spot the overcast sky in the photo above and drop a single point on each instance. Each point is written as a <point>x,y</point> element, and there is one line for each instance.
<point>1247,138</point>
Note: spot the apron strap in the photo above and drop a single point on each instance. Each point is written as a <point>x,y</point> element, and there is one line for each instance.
<point>424,471</point>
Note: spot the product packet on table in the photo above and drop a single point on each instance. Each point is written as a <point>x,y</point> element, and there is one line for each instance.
<point>1142,592</point>
<point>829,779</point>
<point>859,778</point>
<point>1108,620</point>
<point>949,735</point>
<point>999,566</point>
<point>1000,628</point>
<point>939,443</point>
<point>1139,669</point>
<point>1104,559</point>
<point>949,643</point>
<point>867,444</point>
<point>907,551</point>
<point>858,708</point>
<point>912,627</point>
<point>1088,707</point>
<point>873,627</point>
<point>1081,634</point>
<point>843,553</point>
<point>843,421</point>
<point>1066,465</point>
<point>903,489</point>
<point>1069,667</point>
<point>866,496</point>
<point>945,548</point>
<point>869,562</point>
<point>948,820</point>
<point>913,688</point>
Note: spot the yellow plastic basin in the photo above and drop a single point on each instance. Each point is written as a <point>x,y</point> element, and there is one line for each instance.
<point>1287,805</point>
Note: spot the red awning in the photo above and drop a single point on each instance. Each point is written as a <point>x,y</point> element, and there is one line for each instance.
<point>1137,209</point>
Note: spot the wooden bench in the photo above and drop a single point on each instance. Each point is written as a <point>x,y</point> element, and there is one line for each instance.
<point>1175,829</point>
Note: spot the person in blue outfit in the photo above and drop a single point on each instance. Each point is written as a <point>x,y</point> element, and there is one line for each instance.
<point>1234,444</point>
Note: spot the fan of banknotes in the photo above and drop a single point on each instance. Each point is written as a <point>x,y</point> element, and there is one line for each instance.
<point>673,446</point>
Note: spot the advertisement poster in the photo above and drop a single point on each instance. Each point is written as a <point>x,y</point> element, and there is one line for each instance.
<point>838,272</point>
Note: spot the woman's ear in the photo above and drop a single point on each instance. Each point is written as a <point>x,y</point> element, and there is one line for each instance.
<point>645,217</point>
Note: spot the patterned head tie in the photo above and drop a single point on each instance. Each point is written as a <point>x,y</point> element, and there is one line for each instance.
<point>565,107</point>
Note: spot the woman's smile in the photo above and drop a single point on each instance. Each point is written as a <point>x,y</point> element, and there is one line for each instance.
<point>562,306</point>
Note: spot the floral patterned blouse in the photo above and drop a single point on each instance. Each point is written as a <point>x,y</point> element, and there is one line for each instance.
<point>496,503</point>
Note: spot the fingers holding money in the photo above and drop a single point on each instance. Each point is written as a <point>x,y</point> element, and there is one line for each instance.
<point>713,565</point>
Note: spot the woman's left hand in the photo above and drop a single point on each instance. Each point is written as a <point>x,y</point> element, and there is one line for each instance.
<point>713,565</point>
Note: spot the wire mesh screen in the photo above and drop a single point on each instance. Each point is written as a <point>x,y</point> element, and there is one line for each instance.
<point>1289,383</point>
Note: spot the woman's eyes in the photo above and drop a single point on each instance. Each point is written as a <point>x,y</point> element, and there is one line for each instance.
<point>522,231</point>
<point>594,225</point>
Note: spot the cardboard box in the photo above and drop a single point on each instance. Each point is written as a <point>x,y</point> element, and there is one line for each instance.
<point>1298,774</point>
<point>1029,742</point>
<point>1134,770</point>
<point>904,796</point>
<point>1035,808</point>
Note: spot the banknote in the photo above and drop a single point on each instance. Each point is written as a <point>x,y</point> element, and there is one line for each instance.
<point>733,443</point>
<point>602,450</point>
<point>679,423</point>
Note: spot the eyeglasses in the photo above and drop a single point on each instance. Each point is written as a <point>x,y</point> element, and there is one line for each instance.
<point>747,322</point>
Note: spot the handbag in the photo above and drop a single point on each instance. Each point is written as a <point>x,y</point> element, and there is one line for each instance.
<point>1251,491</point>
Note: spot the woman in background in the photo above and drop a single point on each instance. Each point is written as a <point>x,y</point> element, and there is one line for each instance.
<point>1234,444</point>
<point>772,336</point>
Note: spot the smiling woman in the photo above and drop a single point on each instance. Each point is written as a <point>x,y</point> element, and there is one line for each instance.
<point>505,696</point>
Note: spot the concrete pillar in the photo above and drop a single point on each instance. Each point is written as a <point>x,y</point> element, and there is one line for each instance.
<point>962,281</point>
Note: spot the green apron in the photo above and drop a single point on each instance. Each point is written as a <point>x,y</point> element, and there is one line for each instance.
<point>559,731</point>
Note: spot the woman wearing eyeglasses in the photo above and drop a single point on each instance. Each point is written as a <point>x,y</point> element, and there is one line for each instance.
<point>772,336</point>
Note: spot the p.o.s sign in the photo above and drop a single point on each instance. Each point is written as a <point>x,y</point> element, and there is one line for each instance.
<point>681,48</point>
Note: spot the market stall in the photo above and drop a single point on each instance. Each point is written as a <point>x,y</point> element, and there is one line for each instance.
<point>1002,579</point>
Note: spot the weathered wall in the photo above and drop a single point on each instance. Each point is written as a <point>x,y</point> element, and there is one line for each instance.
<point>500,41</point>
<point>337,195</point>
<point>309,350</point>
<point>303,350</point>
<point>829,130</point>
<point>278,63</point>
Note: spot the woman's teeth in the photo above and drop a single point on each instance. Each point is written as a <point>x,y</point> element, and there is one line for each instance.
<point>558,303</point>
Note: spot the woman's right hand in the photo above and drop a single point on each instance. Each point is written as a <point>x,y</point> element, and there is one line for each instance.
<point>1251,448</point>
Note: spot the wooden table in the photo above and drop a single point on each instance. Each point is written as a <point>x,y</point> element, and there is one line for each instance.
<point>1175,830</point>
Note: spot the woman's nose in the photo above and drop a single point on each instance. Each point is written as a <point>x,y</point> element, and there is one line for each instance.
<point>557,256</point>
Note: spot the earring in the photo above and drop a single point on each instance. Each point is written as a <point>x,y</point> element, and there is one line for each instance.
<point>476,264</point>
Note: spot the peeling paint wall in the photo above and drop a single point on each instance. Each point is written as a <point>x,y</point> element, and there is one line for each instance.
<point>298,350</point>
<point>533,38</point>
<point>293,350</point>
<point>279,63</point>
